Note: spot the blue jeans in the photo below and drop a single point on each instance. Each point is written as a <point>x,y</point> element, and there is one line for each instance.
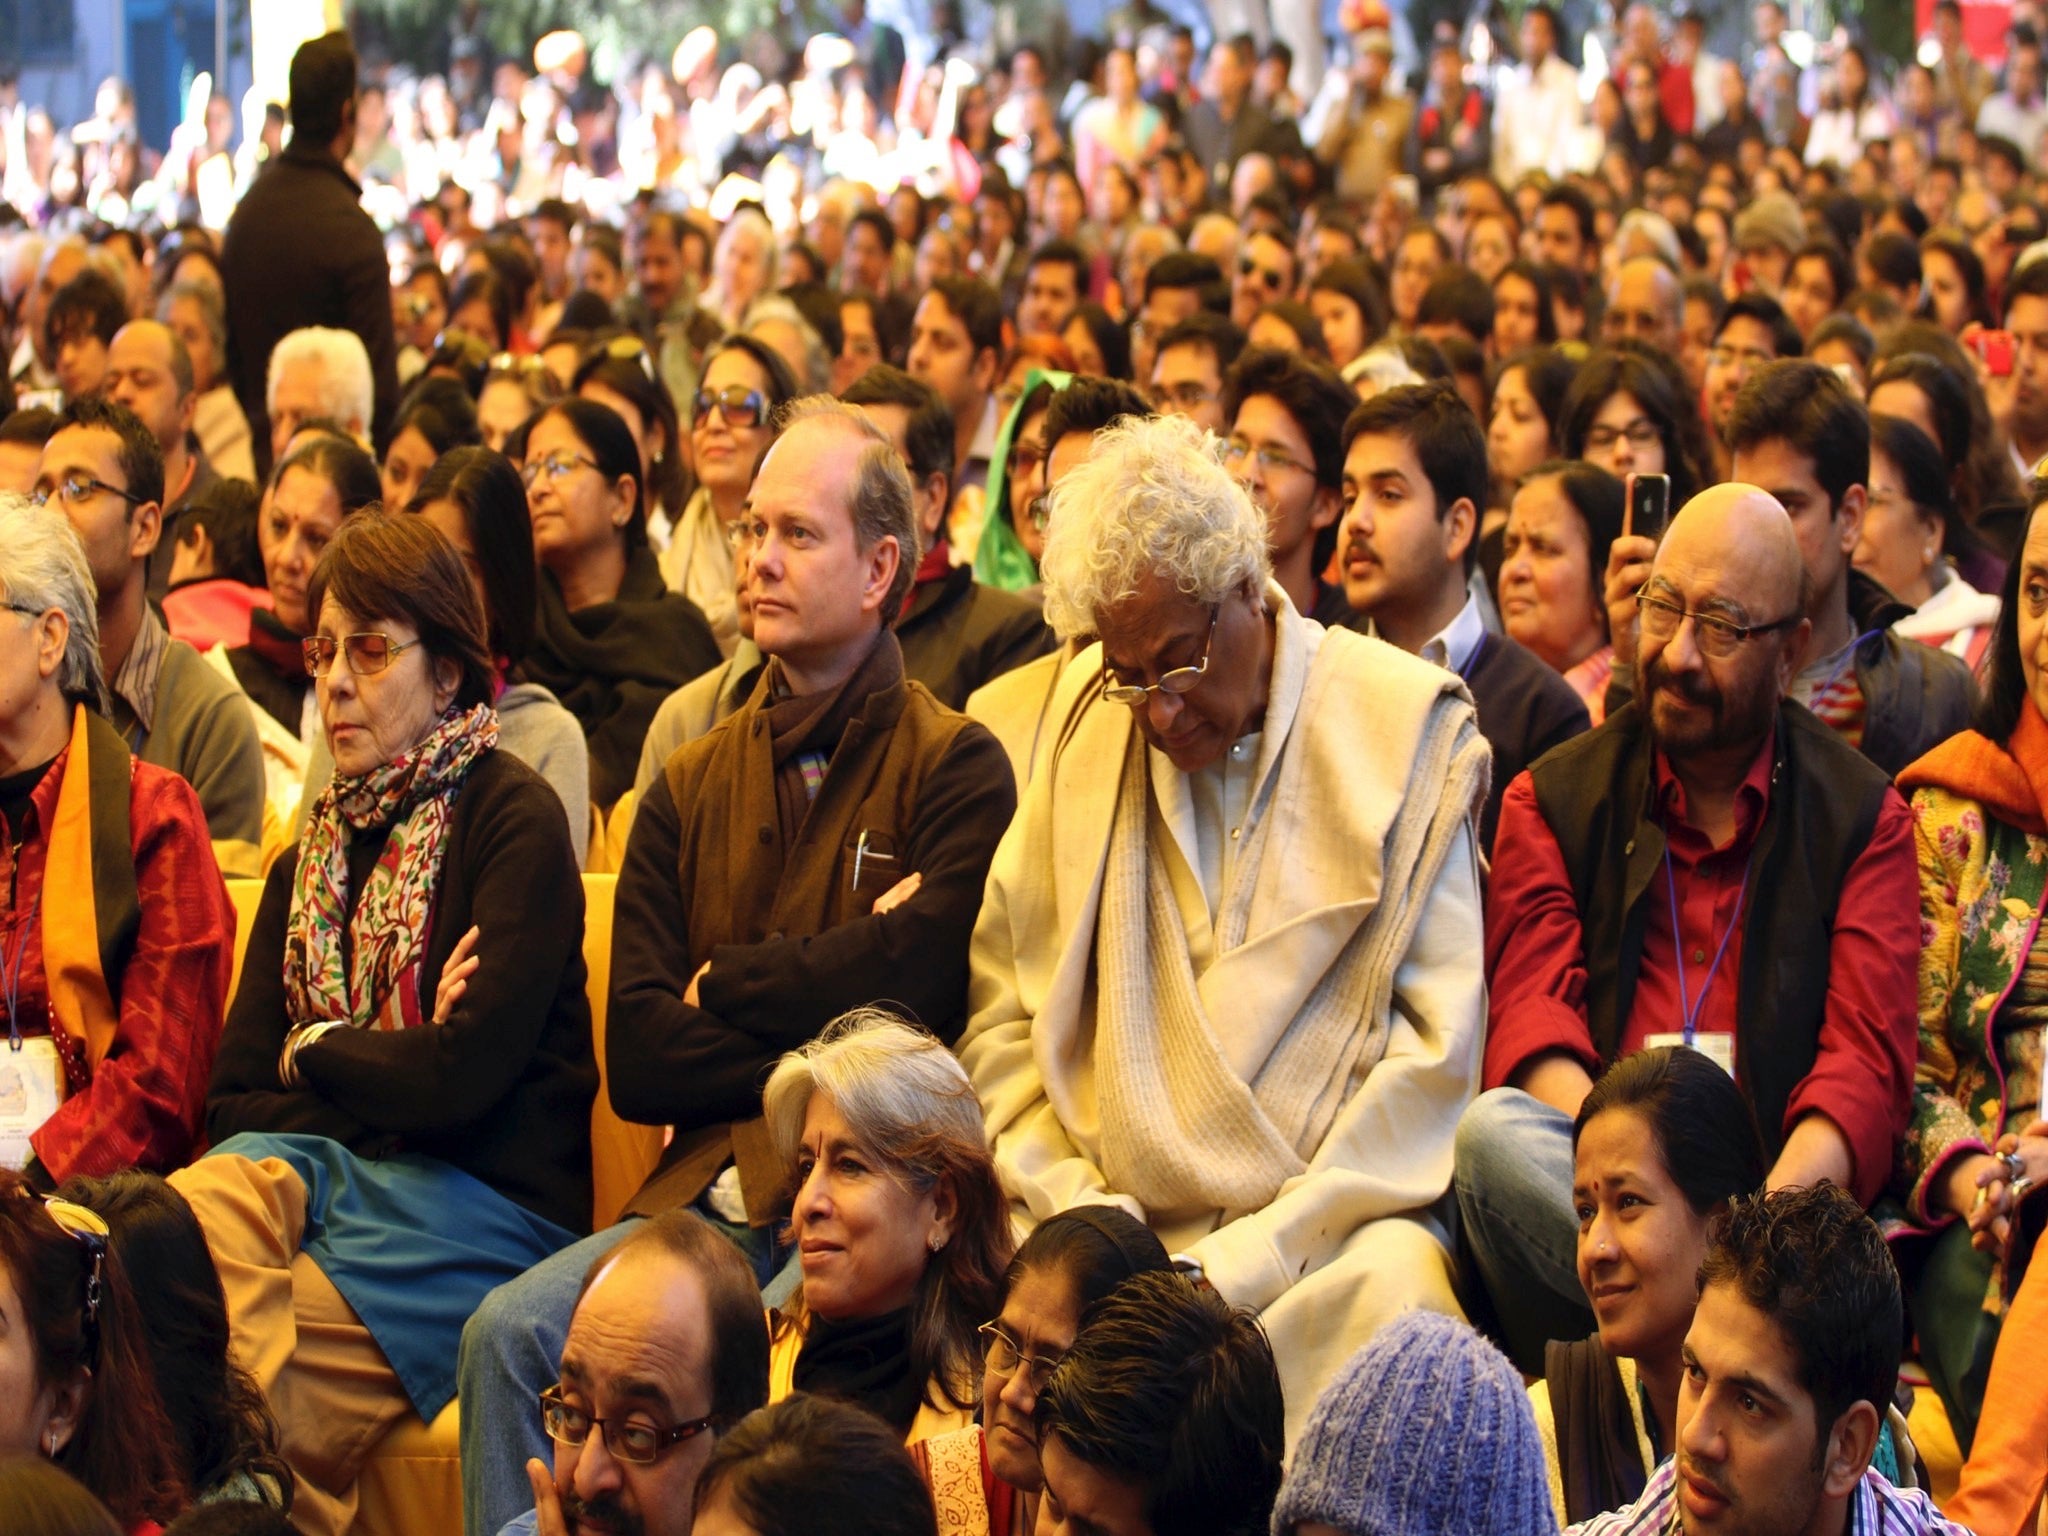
<point>1513,1178</point>
<point>512,1351</point>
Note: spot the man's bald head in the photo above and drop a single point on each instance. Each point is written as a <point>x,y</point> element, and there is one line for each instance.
<point>1645,302</point>
<point>1745,533</point>
<point>1711,684</point>
<point>149,370</point>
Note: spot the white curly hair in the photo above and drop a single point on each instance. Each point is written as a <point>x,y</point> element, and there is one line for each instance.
<point>1152,499</point>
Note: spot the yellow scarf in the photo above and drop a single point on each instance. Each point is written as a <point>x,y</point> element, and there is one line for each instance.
<point>73,917</point>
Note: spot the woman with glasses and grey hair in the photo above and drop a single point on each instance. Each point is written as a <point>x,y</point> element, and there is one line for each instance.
<point>118,934</point>
<point>901,1230</point>
<point>401,1108</point>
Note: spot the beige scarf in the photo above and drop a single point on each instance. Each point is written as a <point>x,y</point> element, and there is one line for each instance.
<point>1182,1128</point>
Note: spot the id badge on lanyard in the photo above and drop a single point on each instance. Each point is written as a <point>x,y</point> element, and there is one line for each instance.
<point>1718,1046</point>
<point>31,1070</point>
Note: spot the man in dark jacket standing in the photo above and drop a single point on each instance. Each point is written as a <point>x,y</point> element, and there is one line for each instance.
<point>300,250</point>
<point>824,847</point>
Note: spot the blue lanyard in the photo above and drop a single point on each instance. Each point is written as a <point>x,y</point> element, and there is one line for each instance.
<point>1689,1010</point>
<point>11,980</point>
<point>1479,650</point>
<point>1848,657</point>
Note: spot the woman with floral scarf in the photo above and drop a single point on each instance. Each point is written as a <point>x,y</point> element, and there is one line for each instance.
<point>1977,1145</point>
<point>401,1103</point>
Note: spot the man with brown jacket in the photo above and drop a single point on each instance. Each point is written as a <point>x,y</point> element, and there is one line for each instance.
<point>823,848</point>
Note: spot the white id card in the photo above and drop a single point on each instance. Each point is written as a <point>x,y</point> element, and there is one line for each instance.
<point>1717,1048</point>
<point>31,1088</point>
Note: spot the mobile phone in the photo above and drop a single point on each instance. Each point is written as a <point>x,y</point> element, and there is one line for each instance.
<point>1648,508</point>
<point>1995,347</point>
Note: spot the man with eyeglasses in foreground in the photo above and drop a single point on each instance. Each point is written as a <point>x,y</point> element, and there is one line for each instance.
<point>1801,433</point>
<point>1414,479</point>
<point>667,1350</point>
<point>1246,829</point>
<point>823,847</point>
<point>101,468</point>
<point>1712,867</point>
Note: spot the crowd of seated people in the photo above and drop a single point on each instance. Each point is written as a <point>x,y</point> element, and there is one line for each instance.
<point>1291,793</point>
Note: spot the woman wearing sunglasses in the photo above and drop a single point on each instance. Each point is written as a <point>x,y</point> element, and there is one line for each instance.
<point>475,498</point>
<point>745,382</point>
<point>988,1473</point>
<point>612,640</point>
<point>75,1383</point>
<point>400,1109</point>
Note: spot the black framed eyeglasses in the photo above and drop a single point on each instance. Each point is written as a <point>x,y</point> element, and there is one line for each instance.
<point>1006,1357</point>
<point>1718,637</point>
<point>640,1444</point>
<point>1179,681</point>
<point>738,405</point>
<point>368,653</point>
<point>76,490</point>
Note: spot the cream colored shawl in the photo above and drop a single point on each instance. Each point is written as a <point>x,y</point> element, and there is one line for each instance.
<point>1110,1068</point>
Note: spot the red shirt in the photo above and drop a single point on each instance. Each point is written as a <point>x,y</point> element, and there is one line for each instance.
<point>145,1105</point>
<point>1535,960</point>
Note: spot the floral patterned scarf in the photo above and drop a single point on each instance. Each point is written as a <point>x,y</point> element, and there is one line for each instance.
<point>356,969</point>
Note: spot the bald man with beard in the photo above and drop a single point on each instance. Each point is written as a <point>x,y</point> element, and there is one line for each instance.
<point>1711,867</point>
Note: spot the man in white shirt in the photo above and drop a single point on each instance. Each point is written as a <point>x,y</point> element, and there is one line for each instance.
<point>1536,105</point>
<point>2018,113</point>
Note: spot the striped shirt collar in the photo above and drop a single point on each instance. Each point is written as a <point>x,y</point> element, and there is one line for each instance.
<point>141,671</point>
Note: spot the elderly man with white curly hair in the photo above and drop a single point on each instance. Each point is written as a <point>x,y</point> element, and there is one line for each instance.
<point>1226,973</point>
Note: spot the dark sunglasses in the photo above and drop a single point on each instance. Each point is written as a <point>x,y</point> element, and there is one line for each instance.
<point>738,405</point>
<point>1273,281</point>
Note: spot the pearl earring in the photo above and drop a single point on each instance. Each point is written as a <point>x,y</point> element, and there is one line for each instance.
<point>935,1243</point>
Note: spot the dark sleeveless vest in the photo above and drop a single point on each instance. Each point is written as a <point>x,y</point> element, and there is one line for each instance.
<point>1597,793</point>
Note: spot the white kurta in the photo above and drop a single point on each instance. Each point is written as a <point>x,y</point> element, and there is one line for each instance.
<point>1369,771</point>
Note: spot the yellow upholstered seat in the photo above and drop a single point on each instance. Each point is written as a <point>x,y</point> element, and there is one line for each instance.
<point>411,1485</point>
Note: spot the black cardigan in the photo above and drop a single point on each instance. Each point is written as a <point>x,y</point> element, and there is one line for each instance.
<point>504,1089</point>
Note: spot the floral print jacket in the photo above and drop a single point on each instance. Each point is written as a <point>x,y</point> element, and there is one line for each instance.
<point>1981,887</point>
